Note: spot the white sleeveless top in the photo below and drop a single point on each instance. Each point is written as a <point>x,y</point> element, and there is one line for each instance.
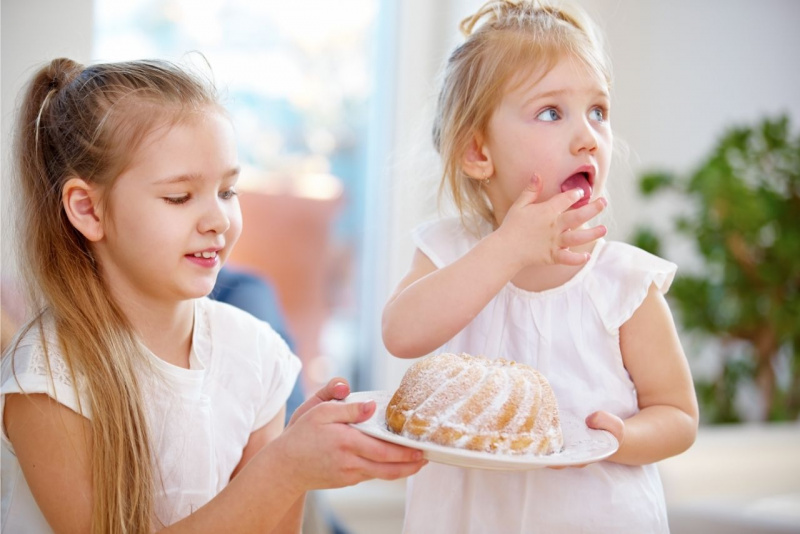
<point>571,334</point>
<point>200,419</point>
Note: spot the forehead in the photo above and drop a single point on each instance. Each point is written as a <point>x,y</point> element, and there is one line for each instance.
<point>567,74</point>
<point>207,125</point>
<point>194,144</point>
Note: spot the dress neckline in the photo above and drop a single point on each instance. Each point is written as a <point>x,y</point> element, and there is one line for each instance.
<point>200,345</point>
<point>576,279</point>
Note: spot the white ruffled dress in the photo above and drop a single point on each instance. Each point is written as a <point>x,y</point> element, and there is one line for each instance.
<point>571,334</point>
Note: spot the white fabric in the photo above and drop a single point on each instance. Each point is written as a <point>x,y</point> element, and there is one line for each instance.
<point>200,419</point>
<point>571,334</point>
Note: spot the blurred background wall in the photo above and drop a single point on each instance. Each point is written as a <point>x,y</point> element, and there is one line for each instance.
<point>30,33</point>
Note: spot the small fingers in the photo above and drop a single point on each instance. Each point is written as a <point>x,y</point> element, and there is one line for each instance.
<point>365,457</point>
<point>535,184</point>
<point>392,471</point>
<point>602,420</point>
<point>559,467</point>
<point>582,236</point>
<point>530,193</point>
<point>336,389</point>
<point>564,256</point>
<point>343,412</point>
<point>577,217</point>
<point>376,450</point>
<point>562,201</point>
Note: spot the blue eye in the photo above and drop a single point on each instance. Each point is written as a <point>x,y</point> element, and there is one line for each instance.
<point>548,115</point>
<point>227,195</point>
<point>598,114</point>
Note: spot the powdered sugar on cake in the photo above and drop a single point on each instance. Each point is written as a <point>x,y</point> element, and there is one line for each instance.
<point>477,404</point>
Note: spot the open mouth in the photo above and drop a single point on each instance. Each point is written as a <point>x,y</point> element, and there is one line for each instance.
<point>579,180</point>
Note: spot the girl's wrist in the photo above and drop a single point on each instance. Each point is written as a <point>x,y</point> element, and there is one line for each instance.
<point>275,465</point>
<point>501,246</point>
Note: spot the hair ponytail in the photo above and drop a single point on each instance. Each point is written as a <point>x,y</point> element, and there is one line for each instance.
<point>87,122</point>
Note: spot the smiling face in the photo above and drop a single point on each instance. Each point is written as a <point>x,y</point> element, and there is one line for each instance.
<point>172,217</point>
<point>557,127</point>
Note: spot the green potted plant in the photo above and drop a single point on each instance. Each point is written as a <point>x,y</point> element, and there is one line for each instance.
<point>743,220</point>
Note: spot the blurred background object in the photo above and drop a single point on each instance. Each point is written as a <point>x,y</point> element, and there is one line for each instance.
<point>287,239</point>
<point>741,216</point>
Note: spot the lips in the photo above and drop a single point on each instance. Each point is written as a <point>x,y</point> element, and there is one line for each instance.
<point>582,179</point>
<point>205,258</point>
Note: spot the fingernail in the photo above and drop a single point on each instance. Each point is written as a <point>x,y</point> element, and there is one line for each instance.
<point>535,180</point>
<point>337,384</point>
<point>366,406</point>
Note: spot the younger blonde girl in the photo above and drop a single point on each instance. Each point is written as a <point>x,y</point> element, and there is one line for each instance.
<point>524,134</point>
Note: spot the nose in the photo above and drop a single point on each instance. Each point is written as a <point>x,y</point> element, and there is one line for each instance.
<point>215,218</point>
<point>584,138</point>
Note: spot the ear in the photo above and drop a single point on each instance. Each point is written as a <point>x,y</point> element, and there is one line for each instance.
<point>477,161</point>
<point>81,202</point>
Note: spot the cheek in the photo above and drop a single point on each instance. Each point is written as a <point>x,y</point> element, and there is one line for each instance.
<point>608,153</point>
<point>601,180</point>
<point>235,229</point>
<point>131,229</point>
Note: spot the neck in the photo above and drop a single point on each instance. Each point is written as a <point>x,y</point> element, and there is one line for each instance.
<point>164,328</point>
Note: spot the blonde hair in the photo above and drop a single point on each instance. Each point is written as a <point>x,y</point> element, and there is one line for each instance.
<point>87,122</point>
<point>505,40</point>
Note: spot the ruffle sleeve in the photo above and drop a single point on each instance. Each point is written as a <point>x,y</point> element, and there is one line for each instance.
<point>31,370</point>
<point>445,240</point>
<point>621,279</point>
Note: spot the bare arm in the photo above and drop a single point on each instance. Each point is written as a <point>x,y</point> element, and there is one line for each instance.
<point>293,520</point>
<point>315,451</point>
<point>666,424</point>
<point>435,304</point>
<point>53,446</point>
<point>318,450</point>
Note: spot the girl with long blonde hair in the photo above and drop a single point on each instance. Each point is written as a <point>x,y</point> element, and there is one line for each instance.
<point>131,402</point>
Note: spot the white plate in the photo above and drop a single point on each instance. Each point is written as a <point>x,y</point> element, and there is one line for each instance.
<point>582,445</point>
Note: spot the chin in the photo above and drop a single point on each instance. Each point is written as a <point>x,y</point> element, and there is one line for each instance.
<point>200,290</point>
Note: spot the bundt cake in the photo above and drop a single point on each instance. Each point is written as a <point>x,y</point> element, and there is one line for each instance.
<point>476,403</point>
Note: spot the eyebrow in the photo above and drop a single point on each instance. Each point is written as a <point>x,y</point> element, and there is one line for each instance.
<point>559,92</point>
<point>194,177</point>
